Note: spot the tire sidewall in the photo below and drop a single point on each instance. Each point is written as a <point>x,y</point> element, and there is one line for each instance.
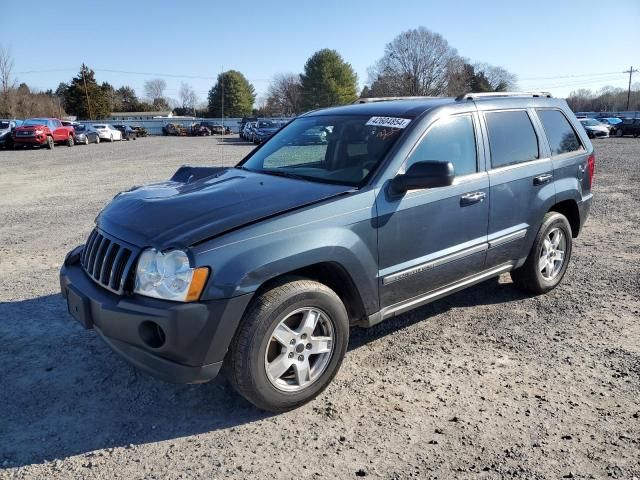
<point>555,221</point>
<point>278,399</point>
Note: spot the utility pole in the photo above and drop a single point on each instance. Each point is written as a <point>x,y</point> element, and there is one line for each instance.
<point>84,80</point>
<point>631,71</point>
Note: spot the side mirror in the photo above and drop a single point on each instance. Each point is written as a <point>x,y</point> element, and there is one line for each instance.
<point>424,175</point>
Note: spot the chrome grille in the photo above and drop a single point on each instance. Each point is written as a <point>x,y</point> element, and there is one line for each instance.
<point>108,261</point>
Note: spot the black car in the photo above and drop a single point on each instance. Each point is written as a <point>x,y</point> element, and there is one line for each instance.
<point>128,133</point>
<point>216,128</point>
<point>200,130</point>
<point>628,126</point>
<point>140,131</point>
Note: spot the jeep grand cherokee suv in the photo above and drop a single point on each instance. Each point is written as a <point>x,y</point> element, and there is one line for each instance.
<point>262,268</point>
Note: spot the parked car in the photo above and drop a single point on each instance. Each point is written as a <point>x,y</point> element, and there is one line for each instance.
<point>6,127</point>
<point>243,123</point>
<point>263,267</point>
<point>107,132</point>
<point>216,128</point>
<point>140,131</point>
<point>127,132</point>
<point>86,134</point>
<point>594,128</point>
<point>263,130</point>
<point>42,132</point>
<point>249,131</point>
<point>628,126</point>
<point>173,129</point>
<point>611,121</point>
<point>199,130</point>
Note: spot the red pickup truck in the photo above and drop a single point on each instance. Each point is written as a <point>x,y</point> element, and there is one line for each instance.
<point>43,131</point>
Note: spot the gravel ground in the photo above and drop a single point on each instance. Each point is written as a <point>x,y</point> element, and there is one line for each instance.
<point>487,383</point>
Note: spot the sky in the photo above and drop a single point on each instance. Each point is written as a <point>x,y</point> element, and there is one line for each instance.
<point>556,46</point>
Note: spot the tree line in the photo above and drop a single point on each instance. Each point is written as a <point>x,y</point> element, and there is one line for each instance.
<point>417,62</point>
<point>607,99</point>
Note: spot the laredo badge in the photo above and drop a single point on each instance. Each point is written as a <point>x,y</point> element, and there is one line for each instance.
<point>393,122</point>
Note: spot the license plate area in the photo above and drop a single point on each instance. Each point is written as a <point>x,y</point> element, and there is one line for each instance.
<point>79,308</point>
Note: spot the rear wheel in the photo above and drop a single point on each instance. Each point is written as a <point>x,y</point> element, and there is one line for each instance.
<point>549,257</point>
<point>289,346</point>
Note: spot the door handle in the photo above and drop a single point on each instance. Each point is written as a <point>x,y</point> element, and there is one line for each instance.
<point>542,179</point>
<point>471,198</point>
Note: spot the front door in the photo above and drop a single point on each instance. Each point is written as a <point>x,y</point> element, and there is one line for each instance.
<point>432,237</point>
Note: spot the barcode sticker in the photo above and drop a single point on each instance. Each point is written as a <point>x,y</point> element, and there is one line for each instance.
<point>393,122</point>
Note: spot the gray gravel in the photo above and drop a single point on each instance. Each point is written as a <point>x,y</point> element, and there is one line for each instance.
<point>487,383</point>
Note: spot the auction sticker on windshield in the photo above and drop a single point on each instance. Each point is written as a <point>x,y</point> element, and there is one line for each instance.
<point>393,122</point>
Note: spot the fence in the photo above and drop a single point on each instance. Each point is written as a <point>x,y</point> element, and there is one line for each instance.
<point>154,126</point>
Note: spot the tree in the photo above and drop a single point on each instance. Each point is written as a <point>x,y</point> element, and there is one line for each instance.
<point>111,96</point>
<point>414,63</point>
<point>128,100</point>
<point>499,79</point>
<point>284,94</point>
<point>238,94</point>
<point>327,80</point>
<point>188,98</point>
<point>86,99</point>
<point>154,90</point>
<point>7,83</point>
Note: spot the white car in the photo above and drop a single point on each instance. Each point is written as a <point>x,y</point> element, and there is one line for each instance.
<point>107,132</point>
<point>594,128</point>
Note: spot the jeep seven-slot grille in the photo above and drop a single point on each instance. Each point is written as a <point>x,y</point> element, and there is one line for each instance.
<point>108,262</point>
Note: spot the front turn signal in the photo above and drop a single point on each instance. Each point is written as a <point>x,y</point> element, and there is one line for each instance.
<point>198,281</point>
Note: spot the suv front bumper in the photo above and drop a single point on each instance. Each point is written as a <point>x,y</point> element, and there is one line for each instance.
<point>176,342</point>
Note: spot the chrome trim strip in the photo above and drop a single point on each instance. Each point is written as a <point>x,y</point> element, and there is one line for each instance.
<point>394,277</point>
<point>439,293</point>
<point>507,238</point>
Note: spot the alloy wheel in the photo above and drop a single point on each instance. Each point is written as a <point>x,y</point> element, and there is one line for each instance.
<point>552,255</point>
<point>300,349</point>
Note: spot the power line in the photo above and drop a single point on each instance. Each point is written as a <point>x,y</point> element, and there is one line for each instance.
<point>569,76</point>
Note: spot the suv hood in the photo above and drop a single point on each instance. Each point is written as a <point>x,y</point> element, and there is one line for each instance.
<point>182,213</point>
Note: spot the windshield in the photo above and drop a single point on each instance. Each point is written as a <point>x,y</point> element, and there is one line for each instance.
<point>4,125</point>
<point>36,121</point>
<point>267,124</point>
<point>614,121</point>
<point>590,122</point>
<point>79,128</point>
<point>340,149</point>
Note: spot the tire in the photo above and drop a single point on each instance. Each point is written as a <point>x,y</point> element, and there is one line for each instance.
<point>70,141</point>
<point>50,143</point>
<point>530,277</point>
<point>111,138</point>
<point>97,139</point>
<point>86,140</point>
<point>619,133</point>
<point>254,346</point>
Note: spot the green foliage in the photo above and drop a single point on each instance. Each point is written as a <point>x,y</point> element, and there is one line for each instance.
<point>84,85</point>
<point>239,95</point>
<point>327,80</point>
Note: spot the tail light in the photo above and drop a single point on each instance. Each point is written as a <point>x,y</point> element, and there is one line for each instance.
<point>591,167</point>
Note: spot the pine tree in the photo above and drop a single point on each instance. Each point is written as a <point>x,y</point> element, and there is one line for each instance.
<point>75,98</point>
<point>327,80</point>
<point>239,95</point>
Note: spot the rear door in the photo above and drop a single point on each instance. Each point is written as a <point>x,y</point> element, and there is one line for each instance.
<point>521,182</point>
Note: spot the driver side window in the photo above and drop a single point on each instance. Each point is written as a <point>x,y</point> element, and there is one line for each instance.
<point>451,139</point>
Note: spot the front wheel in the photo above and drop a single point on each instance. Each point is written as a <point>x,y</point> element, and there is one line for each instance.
<point>70,141</point>
<point>619,132</point>
<point>549,257</point>
<point>50,143</point>
<point>97,139</point>
<point>86,140</point>
<point>111,138</point>
<point>289,346</point>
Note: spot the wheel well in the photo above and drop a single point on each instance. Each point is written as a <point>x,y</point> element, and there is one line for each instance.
<point>569,208</point>
<point>334,276</point>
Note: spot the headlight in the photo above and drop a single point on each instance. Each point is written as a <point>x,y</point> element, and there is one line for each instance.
<point>168,275</point>
<point>39,132</point>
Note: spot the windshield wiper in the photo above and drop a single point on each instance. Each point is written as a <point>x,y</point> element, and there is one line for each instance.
<point>279,173</point>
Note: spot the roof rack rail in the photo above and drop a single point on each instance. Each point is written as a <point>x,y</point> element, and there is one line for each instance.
<point>473,96</point>
<point>388,99</point>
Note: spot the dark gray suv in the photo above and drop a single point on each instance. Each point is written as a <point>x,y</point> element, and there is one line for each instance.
<point>347,216</point>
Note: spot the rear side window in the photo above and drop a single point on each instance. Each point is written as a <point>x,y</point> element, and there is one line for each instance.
<point>562,137</point>
<point>450,139</point>
<point>512,138</point>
